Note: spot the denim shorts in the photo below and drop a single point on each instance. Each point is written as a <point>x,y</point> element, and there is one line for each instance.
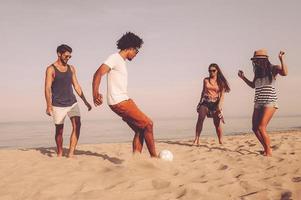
<point>270,105</point>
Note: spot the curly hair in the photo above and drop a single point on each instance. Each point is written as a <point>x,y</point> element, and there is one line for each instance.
<point>129,40</point>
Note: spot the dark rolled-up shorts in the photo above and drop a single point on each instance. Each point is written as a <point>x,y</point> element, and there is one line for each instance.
<point>131,114</point>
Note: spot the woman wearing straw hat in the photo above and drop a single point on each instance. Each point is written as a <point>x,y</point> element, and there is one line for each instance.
<point>214,88</point>
<point>265,102</point>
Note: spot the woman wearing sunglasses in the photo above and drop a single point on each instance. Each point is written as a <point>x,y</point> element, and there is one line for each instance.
<point>265,102</point>
<point>214,88</point>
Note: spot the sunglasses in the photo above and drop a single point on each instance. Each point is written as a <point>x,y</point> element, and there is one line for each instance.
<point>66,56</point>
<point>212,70</point>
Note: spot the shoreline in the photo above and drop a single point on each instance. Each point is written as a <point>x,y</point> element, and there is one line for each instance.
<point>161,139</point>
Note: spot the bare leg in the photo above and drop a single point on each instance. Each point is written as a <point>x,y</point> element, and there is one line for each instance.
<point>59,139</point>
<point>76,124</point>
<point>199,125</point>
<point>256,118</point>
<point>218,128</point>
<point>268,113</point>
<point>149,139</point>
<point>138,139</point>
<point>138,142</point>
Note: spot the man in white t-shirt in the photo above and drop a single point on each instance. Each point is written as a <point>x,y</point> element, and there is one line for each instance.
<point>117,95</point>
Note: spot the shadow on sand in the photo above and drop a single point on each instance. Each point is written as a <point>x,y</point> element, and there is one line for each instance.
<point>239,150</point>
<point>51,152</point>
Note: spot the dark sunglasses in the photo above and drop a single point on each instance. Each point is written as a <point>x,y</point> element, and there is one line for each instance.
<point>68,56</point>
<point>212,70</point>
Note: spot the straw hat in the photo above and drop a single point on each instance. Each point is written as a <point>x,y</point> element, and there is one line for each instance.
<point>261,53</point>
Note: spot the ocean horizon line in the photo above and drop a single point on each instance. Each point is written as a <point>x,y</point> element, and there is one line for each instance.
<point>159,118</point>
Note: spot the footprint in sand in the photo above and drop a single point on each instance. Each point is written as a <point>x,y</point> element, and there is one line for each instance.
<point>281,159</point>
<point>223,167</point>
<point>181,194</point>
<point>238,176</point>
<point>160,184</point>
<point>252,145</point>
<point>176,173</point>
<point>276,146</point>
<point>296,179</point>
<point>270,167</point>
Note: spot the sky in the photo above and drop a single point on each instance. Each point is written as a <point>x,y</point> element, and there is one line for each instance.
<point>181,39</point>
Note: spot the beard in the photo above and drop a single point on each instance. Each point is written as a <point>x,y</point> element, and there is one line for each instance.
<point>64,62</point>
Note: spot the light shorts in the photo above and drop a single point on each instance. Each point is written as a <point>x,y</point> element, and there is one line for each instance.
<point>59,113</point>
<point>271,105</point>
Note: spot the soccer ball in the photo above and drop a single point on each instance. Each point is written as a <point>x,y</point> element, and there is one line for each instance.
<point>166,155</point>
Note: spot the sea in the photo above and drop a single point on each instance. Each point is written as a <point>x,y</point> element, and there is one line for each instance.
<point>32,134</point>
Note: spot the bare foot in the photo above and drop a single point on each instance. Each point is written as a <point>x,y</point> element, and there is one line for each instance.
<point>59,154</point>
<point>71,155</point>
<point>268,153</point>
<point>196,142</point>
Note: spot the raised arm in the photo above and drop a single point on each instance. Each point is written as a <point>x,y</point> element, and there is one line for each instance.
<point>101,71</point>
<point>48,94</point>
<point>78,89</point>
<point>282,69</point>
<point>247,81</point>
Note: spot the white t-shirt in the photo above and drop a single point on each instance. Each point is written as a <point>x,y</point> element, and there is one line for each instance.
<point>117,79</point>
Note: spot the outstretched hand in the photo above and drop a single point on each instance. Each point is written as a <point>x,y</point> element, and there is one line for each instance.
<point>281,55</point>
<point>97,99</point>
<point>241,74</point>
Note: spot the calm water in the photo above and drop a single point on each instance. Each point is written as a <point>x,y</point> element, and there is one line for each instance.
<point>41,134</point>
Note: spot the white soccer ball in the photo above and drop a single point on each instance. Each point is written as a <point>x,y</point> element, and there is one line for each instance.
<point>166,155</point>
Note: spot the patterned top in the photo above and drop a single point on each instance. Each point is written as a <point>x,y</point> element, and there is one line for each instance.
<point>265,91</point>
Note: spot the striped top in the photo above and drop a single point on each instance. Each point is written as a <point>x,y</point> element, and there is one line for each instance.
<point>265,91</point>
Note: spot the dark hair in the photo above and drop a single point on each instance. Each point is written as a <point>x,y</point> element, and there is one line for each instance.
<point>129,40</point>
<point>63,48</point>
<point>221,80</point>
<point>262,68</point>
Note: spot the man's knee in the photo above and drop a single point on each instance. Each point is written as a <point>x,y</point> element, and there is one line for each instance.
<point>59,127</point>
<point>262,128</point>
<point>149,125</point>
<point>76,123</point>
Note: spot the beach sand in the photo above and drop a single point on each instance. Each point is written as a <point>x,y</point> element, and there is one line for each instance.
<point>235,170</point>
